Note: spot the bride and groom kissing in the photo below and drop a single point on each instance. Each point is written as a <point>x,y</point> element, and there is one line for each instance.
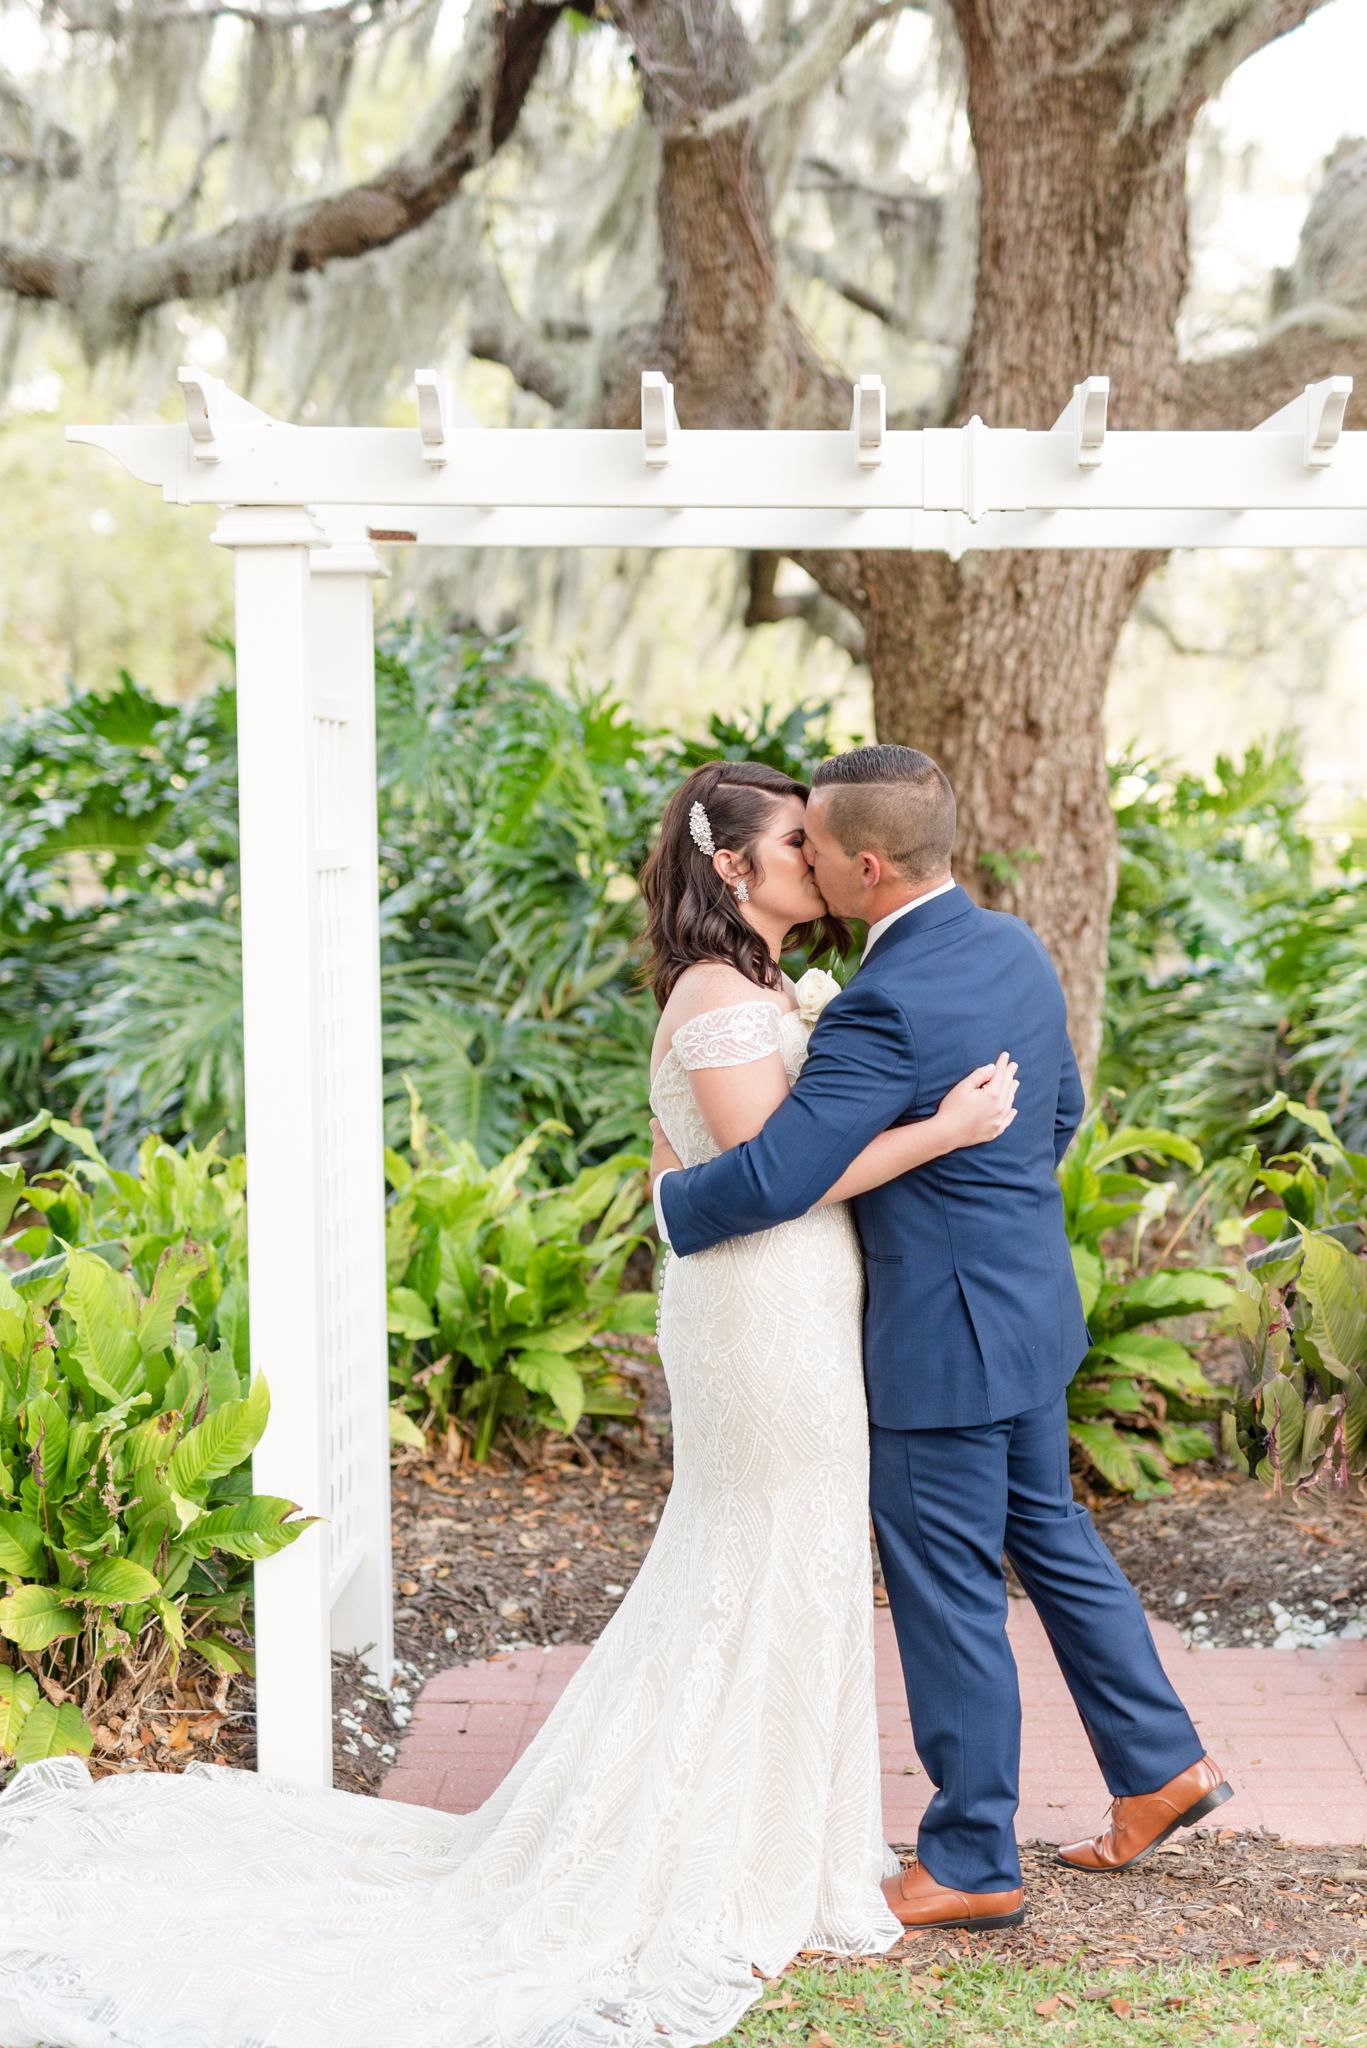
<point>869,1301</point>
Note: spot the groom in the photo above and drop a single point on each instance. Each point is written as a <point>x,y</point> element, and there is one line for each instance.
<point>972,1330</point>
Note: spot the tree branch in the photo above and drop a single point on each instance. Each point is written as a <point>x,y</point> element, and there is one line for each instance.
<point>1236,391</point>
<point>109,295</point>
<point>498,334</point>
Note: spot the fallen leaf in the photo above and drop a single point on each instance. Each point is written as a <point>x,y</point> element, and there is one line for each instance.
<point>562,1564</point>
<point>1064,1999</point>
<point>408,1586</point>
<point>1121,2007</point>
<point>1175,2004</point>
<point>180,1734</point>
<point>821,2041</point>
<point>773,2004</point>
<point>1044,2006</point>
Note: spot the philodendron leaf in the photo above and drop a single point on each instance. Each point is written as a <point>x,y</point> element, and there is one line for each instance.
<point>18,1697</point>
<point>21,1546</point>
<point>221,1441</point>
<point>52,1731</point>
<point>550,1372</point>
<point>113,1581</point>
<point>1335,1285</point>
<point>35,1616</point>
<point>1284,1417</point>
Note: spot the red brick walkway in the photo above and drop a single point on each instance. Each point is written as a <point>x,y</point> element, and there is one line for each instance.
<point>1289,1727</point>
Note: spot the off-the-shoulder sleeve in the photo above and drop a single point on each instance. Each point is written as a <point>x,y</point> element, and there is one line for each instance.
<point>732,1037</point>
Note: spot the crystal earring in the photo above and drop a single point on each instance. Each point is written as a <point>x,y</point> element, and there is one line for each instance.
<point>742,893</point>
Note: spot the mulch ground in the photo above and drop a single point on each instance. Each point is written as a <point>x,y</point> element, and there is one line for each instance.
<point>1223,1896</point>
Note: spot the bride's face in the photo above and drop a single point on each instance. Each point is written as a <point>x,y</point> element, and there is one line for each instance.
<point>783,890</point>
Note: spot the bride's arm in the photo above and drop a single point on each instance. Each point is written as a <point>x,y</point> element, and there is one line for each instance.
<point>974,1112</point>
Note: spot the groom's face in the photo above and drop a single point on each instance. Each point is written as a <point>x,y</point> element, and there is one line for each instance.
<point>839,875</point>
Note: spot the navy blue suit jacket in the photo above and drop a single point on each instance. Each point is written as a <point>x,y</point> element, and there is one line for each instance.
<point>973,1312</point>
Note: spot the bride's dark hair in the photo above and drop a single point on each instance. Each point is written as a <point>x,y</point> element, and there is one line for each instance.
<point>690,912</point>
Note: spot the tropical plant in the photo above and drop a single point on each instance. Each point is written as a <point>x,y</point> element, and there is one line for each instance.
<point>503,1301</point>
<point>1235,969</point>
<point>513,818</point>
<point>127,1419</point>
<point>1300,1311</point>
<point>1137,1401</point>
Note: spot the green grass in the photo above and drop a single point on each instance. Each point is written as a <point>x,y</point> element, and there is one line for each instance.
<point>993,2005</point>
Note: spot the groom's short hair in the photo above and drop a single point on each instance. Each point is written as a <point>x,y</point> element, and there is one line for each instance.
<point>892,801</point>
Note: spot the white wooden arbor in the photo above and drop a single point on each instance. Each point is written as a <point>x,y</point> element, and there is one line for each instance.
<point>302,508</point>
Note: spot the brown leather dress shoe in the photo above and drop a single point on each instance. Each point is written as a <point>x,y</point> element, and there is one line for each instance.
<point>918,1901</point>
<point>1142,1822</point>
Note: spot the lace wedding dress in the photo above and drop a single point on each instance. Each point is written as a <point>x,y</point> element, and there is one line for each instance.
<point>704,1797</point>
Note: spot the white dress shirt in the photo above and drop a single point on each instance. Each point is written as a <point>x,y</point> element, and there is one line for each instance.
<point>875,933</point>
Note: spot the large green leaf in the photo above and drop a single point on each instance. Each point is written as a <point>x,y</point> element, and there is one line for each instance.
<point>549,1372</point>
<point>18,1696</point>
<point>157,1322</point>
<point>1335,1285</point>
<point>221,1441</point>
<point>35,1616</point>
<point>113,1581</point>
<point>1133,1141</point>
<point>1156,1358</point>
<point>1090,1273</point>
<point>409,1315</point>
<point>21,1546</point>
<point>100,1303</point>
<point>1155,1295</point>
<point>45,1426</point>
<point>1283,1414</point>
<point>52,1731</point>
<point>1107,1450</point>
<point>633,1314</point>
<point>257,1527</point>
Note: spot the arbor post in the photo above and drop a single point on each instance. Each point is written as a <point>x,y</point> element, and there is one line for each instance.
<point>355,1351</point>
<point>286,1220</point>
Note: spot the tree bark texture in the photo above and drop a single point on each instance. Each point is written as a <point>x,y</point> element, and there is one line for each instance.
<point>997,665</point>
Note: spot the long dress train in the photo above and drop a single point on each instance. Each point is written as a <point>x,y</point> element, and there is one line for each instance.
<point>704,1797</point>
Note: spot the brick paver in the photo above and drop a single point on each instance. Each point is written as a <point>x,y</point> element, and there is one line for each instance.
<point>1289,1727</point>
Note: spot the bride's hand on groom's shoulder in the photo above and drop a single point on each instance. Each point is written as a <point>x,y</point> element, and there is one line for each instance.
<point>662,1155</point>
<point>981,1106</point>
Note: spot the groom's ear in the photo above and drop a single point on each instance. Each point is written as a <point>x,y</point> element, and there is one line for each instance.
<point>871,870</point>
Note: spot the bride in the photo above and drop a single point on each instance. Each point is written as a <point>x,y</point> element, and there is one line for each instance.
<point>704,1800</point>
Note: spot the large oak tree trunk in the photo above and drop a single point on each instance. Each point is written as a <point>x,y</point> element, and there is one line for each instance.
<point>997,664</point>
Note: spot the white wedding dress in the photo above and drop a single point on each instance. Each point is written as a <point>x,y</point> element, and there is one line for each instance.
<point>704,1798</point>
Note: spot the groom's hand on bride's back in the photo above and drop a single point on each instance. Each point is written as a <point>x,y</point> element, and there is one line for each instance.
<point>981,1106</point>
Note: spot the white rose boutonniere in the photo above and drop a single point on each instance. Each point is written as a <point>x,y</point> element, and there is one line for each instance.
<point>814,991</point>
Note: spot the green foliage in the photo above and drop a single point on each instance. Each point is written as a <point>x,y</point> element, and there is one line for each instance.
<point>127,1420</point>
<point>118,829</point>
<point>1138,1398</point>
<point>1233,970</point>
<point>1300,1312</point>
<point>513,819</point>
<point>500,1298</point>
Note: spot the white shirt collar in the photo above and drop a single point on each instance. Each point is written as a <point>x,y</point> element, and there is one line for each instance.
<point>876,931</point>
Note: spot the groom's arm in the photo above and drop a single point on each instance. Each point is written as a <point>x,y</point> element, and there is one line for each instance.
<point>860,1077</point>
<point>1071,1102</point>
